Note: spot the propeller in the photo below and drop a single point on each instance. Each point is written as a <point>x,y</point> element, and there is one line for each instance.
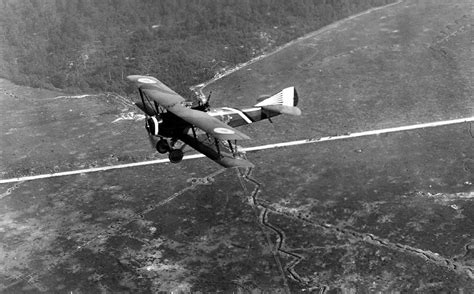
<point>150,136</point>
<point>205,101</point>
<point>208,99</point>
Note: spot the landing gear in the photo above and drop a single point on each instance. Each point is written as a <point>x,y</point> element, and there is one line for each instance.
<point>176,155</point>
<point>162,146</point>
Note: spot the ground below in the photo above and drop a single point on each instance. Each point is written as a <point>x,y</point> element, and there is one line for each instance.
<point>384,213</point>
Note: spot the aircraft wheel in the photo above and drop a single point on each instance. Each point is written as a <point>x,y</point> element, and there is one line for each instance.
<point>176,155</point>
<point>162,146</point>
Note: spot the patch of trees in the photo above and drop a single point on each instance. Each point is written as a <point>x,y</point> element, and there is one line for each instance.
<point>89,45</point>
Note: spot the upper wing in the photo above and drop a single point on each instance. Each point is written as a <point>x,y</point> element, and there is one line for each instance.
<point>156,90</point>
<point>172,101</point>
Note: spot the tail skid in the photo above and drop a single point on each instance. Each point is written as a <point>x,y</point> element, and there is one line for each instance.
<point>284,101</point>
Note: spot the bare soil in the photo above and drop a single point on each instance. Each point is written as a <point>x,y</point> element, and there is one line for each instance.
<point>383,213</point>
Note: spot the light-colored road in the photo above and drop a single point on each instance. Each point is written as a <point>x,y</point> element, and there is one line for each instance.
<point>248,149</point>
<point>198,89</point>
<point>363,134</point>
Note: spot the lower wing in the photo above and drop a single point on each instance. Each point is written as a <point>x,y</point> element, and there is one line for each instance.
<point>207,148</point>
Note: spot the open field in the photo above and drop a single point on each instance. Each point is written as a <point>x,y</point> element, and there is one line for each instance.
<point>376,213</point>
<point>353,214</point>
<point>44,131</point>
<point>405,64</point>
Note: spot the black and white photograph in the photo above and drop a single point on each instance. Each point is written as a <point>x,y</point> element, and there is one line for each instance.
<point>236,146</point>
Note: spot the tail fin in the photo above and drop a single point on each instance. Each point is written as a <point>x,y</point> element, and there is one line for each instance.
<point>284,101</point>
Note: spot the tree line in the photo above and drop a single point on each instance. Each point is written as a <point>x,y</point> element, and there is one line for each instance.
<point>89,45</point>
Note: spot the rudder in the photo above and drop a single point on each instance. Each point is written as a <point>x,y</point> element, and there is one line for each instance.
<point>284,101</point>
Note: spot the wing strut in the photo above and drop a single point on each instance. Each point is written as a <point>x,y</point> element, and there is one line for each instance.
<point>230,146</point>
<point>235,143</point>
<point>217,146</point>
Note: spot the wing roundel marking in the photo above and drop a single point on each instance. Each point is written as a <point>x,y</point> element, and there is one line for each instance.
<point>146,81</point>
<point>223,131</point>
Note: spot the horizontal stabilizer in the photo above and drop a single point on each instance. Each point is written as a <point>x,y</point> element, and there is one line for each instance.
<point>291,110</point>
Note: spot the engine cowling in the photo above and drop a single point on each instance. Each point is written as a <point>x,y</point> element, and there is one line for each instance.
<point>153,125</point>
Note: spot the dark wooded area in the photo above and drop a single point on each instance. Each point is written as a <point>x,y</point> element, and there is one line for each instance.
<point>85,45</point>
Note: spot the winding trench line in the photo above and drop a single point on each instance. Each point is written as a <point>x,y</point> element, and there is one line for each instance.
<point>197,182</point>
<point>10,190</point>
<point>266,208</point>
<point>260,212</point>
<point>427,255</point>
<point>279,247</point>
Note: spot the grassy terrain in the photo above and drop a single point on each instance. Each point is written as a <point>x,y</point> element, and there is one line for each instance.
<point>405,65</point>
<point>83,45</point>
<point>383,213</point>
<point>45,131</point>
<point>326,218</point>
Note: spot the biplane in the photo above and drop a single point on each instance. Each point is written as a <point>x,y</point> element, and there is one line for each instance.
<point>173,123</point>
